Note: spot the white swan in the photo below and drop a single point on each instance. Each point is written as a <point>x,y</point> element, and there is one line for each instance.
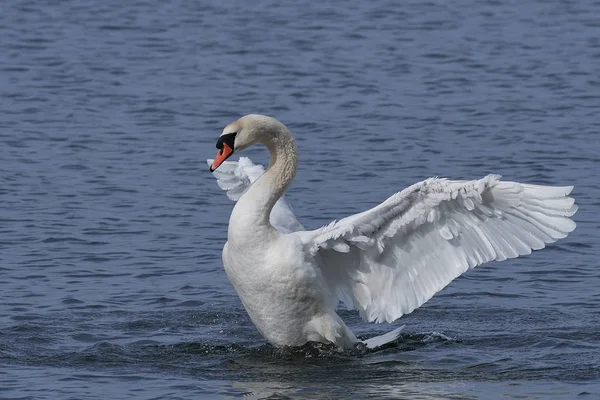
<point>385,262</point>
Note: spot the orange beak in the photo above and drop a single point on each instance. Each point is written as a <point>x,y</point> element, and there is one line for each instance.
<point>222,155</point>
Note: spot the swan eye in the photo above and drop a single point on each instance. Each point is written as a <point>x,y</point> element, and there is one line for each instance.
<point>228,138</point>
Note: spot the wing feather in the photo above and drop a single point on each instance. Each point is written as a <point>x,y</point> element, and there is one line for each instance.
<point>391,259</point>
<point>235,177</point>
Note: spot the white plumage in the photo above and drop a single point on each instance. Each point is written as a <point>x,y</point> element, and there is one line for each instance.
<point>235,177</point>
<point>384,262</point>
<point>402,252</point>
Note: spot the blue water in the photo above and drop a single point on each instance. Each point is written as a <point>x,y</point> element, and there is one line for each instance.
<point>111,226</point>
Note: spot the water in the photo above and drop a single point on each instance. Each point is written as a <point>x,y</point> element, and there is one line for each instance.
<point>111,283</point>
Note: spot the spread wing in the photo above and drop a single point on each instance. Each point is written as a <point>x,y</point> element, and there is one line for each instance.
<point>391,259</point>
<point>235,177</point>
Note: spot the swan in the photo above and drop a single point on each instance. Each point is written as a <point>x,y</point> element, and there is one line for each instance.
<point>385,262</point>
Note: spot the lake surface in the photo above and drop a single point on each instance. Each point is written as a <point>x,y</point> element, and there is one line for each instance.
<point>111,226</point>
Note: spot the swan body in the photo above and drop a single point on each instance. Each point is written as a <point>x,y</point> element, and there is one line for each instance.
<point>385,262</point>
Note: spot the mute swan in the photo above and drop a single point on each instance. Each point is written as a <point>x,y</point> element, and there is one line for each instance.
<point>385,262</point>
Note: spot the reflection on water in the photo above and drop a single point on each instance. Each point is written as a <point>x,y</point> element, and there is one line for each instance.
<point>408,391</point>
<point>458,389</point>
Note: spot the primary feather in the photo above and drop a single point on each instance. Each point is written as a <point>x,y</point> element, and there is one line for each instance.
<point>391,259</point>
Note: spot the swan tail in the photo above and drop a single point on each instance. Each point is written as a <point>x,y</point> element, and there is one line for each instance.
<point>386,338</point>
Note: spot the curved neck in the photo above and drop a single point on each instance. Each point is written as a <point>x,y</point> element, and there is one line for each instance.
<point>255,206</point>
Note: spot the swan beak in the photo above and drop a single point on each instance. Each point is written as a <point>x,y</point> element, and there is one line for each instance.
<point>222,155</point>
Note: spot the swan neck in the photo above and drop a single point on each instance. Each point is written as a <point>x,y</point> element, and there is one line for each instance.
<point>264,193</point>
<point>282,167</point>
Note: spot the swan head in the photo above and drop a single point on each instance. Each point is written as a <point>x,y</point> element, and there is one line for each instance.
<point>243,133</point>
